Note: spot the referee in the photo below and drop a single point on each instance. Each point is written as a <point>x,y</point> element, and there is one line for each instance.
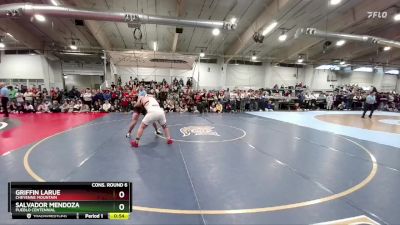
<point>369,104</point>
<point>4,94</point>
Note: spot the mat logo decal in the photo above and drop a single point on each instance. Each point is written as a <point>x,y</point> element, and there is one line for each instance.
<point>390,121</point>
<point>3,125</point>
<point>198,130</point>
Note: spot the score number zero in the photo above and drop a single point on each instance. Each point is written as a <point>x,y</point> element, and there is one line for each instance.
<point>121,195</point>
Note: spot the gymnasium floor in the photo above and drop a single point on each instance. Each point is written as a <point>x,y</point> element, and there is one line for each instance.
<point>258,168</point>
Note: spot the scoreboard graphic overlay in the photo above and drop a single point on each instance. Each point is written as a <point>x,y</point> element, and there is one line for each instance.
<point>70,200</point>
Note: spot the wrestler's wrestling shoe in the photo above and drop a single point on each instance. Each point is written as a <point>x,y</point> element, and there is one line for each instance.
<point>157,132</point>
<point>170,141</point>
<point>134,144</point>
<point>128,135</point>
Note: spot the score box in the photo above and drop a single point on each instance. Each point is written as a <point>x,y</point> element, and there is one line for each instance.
<point>52,199</point>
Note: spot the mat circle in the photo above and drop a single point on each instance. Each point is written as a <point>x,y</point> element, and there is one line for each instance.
<point>331,197</point>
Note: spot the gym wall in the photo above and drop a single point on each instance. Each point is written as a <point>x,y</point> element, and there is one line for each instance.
<point>212,76</point>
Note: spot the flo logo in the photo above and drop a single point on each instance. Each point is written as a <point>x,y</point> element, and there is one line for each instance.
<point>198,130</point>
<point>377,15</point>
<point>3,125</point>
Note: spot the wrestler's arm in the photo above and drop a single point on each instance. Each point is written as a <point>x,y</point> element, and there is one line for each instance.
<point>138,102</point>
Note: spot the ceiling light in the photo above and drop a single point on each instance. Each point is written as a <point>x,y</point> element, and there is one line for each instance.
<point>2,45</point>
<point>75,53</point>
<point>155,46</point>
<point>216,32</point>
<point>394,72</point>
<point>65,76</point>
<point>282,37</point>
<point>269,28</point>
<point>202,54</point>
<point>396,17</point>
<point>10,35</point>
<point>54,2</point>
<point>233,20</point>
<point>73,45</point>
<point>40,18</point>
<point>335,2</point>
<point>364,69</point>
<point>342,62</point>
<point>254,57</point>
<point>387,48</point>
<point>340,43</point>
<point>327,67</point>
<point>300,59</point>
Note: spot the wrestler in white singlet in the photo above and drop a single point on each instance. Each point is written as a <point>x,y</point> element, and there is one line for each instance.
<point>154,111</point>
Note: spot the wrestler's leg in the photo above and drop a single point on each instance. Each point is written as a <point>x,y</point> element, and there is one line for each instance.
<point>135,143</point>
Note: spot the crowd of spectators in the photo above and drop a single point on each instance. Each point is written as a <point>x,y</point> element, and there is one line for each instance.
<point>180,96</point>
<point>349,97</point>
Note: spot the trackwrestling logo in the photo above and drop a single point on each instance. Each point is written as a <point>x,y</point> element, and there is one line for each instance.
<point>198,130</point>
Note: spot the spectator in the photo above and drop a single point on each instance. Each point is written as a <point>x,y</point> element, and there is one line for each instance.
<point>116,106</point>
<point>85,108</point>
<point>13,107</point>
<point>96,107</point>
<point>119,81</point>
<point>213,108</point>
<point>43,107</point>
<point>28,96</point>
<point>218,108</point>
<point>341,106</point>
<point>189,82</point>
<point>65,107</point>
<point>55,107</point>
<point>87,97</point>
<point>77,106</point>
<point>13,94</point>
<point>107,95</point>
<point>20,107</point>
<point>181,82</point>
<point>98,96</point>
<point>106,107</point>
<point>20,98</point>
<point>270,106</point>
<point>28,108</point>
<point>142,91</point>
<point>71,106</point>
<point>329,102</point>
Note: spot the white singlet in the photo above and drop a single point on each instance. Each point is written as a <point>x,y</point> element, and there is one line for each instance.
<point>154,112</point>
